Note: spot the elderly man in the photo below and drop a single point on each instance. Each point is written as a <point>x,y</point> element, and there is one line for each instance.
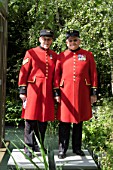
<point>75,87</point>
<point>36,90</point>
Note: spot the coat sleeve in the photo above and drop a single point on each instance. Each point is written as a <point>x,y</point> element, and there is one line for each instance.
<point>93,75</point>
<point>24,73</point>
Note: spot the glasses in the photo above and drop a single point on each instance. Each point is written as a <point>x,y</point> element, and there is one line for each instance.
<point>75,40</point>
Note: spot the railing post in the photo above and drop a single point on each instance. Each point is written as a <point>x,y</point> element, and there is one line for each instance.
<point>3,65</point>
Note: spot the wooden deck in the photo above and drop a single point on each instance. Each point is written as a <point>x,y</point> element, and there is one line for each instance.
<point>22,162</point>
<point>71,162</point>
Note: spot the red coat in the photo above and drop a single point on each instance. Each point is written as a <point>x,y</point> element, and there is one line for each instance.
<point>75,74</point>
<point>37,74</point>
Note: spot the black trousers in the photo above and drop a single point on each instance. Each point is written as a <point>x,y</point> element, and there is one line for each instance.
<point>32,128</point>
<point>64,135</point>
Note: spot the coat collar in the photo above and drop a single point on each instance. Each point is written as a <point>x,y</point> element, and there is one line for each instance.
<point>74,50</point>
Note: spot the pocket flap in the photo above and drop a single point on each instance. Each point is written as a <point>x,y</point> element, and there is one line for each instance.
<point>88,83</point>
<point>31,80</point>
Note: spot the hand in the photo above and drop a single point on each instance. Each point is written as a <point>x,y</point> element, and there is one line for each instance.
<point>57,98</point>
<point>23,97</point>
<point>93,99</point>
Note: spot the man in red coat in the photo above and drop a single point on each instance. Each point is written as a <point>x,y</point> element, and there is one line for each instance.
<point>75,87</point>
<point>36,90</point>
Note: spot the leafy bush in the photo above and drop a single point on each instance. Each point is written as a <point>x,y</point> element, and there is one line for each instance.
<point>98,133</point>
<point>13,112</point>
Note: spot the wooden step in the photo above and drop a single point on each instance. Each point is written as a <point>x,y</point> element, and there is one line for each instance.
<point>22,162</point>
<point>75,162</point>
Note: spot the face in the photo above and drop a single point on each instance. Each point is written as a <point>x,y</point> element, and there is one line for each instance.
<point>73,43</point>
<point>45,42</point>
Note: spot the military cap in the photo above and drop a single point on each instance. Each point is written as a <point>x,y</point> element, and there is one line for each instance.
<point>46,32</point>
<point>72,33</point>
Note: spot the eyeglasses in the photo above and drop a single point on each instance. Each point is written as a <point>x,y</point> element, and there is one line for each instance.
<point>75,40</point>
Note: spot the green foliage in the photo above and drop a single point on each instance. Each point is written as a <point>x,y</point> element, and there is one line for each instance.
<point>53,127</point>
<point>93,20</point>
<point>99,133</point>
<point>13,112</point>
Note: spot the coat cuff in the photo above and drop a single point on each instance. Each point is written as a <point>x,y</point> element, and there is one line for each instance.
<point>56,92</point>
<point>23,90</point>
<point>94,91</point>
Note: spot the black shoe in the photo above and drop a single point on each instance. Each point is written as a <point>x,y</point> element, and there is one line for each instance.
<point>28,154</point>
<point>79,152</point>
<point>36,149</point>
<point>61,155</point>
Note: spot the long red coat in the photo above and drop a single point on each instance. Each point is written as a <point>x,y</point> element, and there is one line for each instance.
<point>37,74</point>
<point>75,74</point>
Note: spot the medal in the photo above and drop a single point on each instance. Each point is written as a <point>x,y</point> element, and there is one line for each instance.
<point>81,57</point>
<point>51,57</point>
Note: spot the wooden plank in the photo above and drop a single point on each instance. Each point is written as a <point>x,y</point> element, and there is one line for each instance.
<point>22,162</point>
<point>3,151</point>
<point>75,162</point>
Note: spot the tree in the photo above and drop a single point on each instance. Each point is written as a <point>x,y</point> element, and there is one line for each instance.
<point>92,18</point>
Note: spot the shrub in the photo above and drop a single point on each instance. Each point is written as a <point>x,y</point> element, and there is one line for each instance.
<point>98,133</point>
<point>13,112</point>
